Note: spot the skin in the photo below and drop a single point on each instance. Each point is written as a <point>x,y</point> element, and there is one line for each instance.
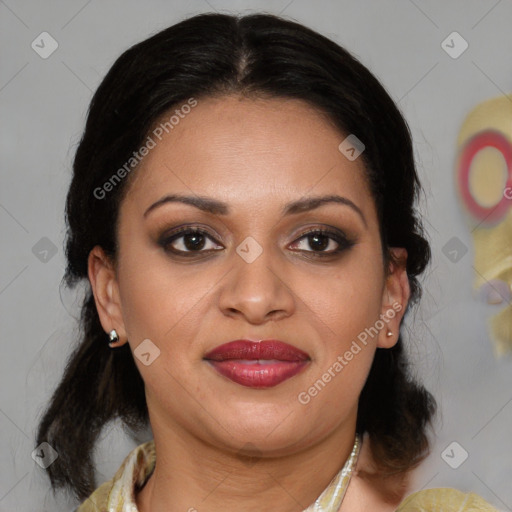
<point>256,156</point>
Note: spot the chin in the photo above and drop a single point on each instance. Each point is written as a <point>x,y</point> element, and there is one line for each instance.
<point>274,432</point>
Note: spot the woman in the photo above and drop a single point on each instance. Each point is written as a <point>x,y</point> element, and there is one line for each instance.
<point>243,206</point>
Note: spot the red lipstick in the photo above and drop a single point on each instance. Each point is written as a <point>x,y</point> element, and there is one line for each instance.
<point>260,364</point>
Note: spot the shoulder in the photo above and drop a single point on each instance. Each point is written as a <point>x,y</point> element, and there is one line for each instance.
<point>133,472</point>
<point>444,500</point>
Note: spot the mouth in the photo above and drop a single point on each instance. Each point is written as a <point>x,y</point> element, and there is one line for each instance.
<point>261,364</point>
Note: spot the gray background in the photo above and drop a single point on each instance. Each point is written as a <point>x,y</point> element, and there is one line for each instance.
<point>43,104</point>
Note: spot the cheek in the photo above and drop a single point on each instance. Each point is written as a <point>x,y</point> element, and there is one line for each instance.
<point>348,300</point>
<point>343,315</point>
<point>158,298</point>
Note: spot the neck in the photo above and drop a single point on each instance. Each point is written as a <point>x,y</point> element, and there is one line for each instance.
<point>191,475</point>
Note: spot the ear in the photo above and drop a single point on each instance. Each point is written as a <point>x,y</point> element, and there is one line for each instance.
<point>395,297</point>
<point>102,276</point>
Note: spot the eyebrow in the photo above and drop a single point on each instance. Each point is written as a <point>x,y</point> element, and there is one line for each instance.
<point>215,207</point>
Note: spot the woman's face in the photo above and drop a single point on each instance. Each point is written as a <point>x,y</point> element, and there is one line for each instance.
<point>252,273</point>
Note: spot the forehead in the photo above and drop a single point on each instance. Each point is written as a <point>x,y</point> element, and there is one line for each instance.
<point>241,150</point>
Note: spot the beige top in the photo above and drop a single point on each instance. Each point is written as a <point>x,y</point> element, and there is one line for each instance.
<point>118,494</point>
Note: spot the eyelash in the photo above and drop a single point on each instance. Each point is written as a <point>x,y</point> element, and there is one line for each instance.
<point>343,242</point>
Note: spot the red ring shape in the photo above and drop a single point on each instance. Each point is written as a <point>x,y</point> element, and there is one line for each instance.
<point>473,146</point>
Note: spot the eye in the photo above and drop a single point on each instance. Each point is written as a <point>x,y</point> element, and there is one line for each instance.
<point>322,242</point>
<point>189,240</point>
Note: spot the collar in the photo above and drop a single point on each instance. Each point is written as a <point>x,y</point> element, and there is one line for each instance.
<point>140,464</point>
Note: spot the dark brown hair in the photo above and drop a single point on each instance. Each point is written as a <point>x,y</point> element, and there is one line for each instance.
<point>217,54</point>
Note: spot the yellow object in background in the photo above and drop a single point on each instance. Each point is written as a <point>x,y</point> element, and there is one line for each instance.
<point>484,184</point>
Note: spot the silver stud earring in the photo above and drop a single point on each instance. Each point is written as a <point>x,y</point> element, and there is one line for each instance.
<point>389,333</point>
<point>114,337</point>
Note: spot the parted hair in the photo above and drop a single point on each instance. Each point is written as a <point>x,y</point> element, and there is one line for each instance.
<point>256,55</point>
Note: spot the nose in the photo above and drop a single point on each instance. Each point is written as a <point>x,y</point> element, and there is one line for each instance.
<point>257,291</point>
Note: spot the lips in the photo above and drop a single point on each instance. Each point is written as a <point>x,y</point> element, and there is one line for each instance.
<point>257,364</point>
